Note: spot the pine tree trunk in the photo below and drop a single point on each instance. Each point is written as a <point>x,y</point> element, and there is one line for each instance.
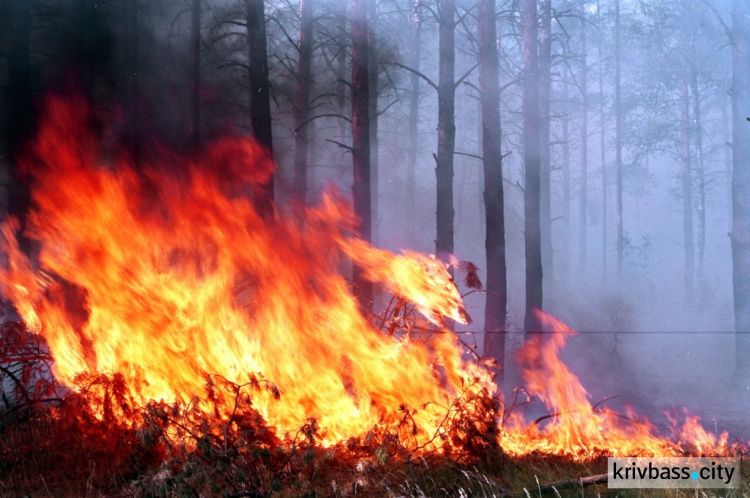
<point>602,142</point>
<point>687,198</point>
<point>260,94</point>
<point>19,109</point>
<point>494,242</point>
<point>584,152</point>
<point>545,88</point>
<point>361,193</point>
<point>195,71</point>
<point>532,165</point>
<point>618,147</point>
<point>411,187</point>
<point>302,104</point>
<point>446,130</point>
<point>373,103</point>
<point>701,187</point>
<point>740,234</point>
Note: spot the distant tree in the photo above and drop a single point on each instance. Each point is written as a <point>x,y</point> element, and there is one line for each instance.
<point>259,90</point>
<point>545,93</point>
<point>584,146</point>
<point>532,165</point>
<point>302,104</point>
<point>361,189</point>
<point>446,141</point>
<point>740,234</point>
<point>415,57</point>
<point>195,71</point>
<point>496,301</point>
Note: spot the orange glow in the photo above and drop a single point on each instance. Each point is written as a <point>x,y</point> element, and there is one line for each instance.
<point>164,274</point>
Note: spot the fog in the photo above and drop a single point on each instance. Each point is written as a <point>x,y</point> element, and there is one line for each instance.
<point>645,335</point>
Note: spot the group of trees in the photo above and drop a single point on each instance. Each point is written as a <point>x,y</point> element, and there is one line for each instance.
<point>582,96</point>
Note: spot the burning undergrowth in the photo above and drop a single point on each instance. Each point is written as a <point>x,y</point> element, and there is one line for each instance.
<point>217,350</point>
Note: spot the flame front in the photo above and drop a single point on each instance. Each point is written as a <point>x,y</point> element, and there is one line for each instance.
<point>164,273</point>
<point>180,277</point>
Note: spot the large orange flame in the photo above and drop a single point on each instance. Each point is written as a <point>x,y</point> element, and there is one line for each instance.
<point>180,277</point>
<point>164,273</point>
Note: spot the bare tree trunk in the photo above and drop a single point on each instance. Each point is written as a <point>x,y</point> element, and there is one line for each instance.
<point>584,152</point>
<point>545,88</point>
<point>411,189</point>
<point>446,130</point>
<point>195,71</point>
<point>618,145</point>
<point>701,180</point>
<point>494,243</point>
<point>341,80</point>
<point>361,193</point>
<point>727,122</point>
<point>373,103</point>
<point>602,142</point>
<point>740,234</point>
<point>131,61</point>
<point>302,105</point>
<point>532,165</point>
<point>260,94</point>
<point>687,197</point>
<point>566,183</point>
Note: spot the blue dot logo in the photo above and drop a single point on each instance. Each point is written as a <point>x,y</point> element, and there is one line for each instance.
<point>694,475</point>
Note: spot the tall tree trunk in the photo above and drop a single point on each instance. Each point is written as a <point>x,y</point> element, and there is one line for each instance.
<point>584,152</point>
<point>618,146</point>
<point>566,183</point>
<point>341,79</point>
<point>195,71</point>
<point>260,94</point>
<point>131,61</point>
<point>727,130</point>
<point>19,110</point>
<point>602,140</point>
<point>302,104</point>
<point>701,180</point>
<point>740,234</point>
<point>361,192</point>
<point>687,197</point>
<point>545,88</point>
<point>411,188</point>
<point>446,129</point>
<point>532,165</point>
<point>496,299</point>
<point>373,103</point>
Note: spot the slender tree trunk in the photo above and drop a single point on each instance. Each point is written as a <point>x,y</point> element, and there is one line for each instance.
<point>373,103</point>
<point>361,192</point>
<point>602,141</point>
<point>740,234</point>
<point>584,152</point>
<point>302,104</point>
<point>701,180</point>
<point>446,130</point>
<point>532,165</point>
<point>687,197</point>
<point>131,61</point>
<point>260,94</point>
<point>195,72</point>
<point>411,189</point>
<point>341,80</point>
<point>19,111</point>
<point>618,145</point>
<point>727,122</point>
<point>494,242</point>
<point>566,183</point>
<point>545,88</point>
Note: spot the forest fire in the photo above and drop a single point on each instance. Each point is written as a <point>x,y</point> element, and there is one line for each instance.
<point>168,281</point>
